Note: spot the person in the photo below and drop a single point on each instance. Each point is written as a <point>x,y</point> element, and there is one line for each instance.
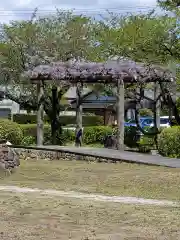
<point>79,138</point>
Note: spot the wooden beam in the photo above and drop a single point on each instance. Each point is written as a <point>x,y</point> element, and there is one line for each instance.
<point>79,111</point>
<point>40,115</point>
<point>120,114</point>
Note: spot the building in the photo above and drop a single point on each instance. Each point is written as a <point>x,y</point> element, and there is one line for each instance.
<point>100,105</point>
<point>8,108</point>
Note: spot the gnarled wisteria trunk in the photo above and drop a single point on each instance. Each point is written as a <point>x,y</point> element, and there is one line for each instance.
<point>79,111</point>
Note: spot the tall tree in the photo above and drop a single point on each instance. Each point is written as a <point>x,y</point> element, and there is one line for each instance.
<point>148,38</point>
<point>26,44</point>
<point>171,5</point>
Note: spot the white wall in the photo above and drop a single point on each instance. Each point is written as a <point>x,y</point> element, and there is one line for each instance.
<point>8,107</point>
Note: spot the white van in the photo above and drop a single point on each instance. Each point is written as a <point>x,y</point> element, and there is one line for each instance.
<point>164,122</point>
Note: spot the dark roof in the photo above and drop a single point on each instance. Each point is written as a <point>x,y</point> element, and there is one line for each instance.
<point>99,99</point>
<point>93,72</point>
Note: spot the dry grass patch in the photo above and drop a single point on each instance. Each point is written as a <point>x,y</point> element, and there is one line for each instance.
<point>111,179</point>
<point>35,217</point>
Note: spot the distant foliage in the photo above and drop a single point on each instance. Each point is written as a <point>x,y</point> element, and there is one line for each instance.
<point>10,131</point>
<point>88,120</point>
<point>145,112</point>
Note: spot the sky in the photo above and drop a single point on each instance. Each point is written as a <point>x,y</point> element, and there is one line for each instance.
<point>22,9</point>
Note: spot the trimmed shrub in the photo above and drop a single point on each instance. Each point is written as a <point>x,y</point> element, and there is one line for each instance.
<point>26,118</point>
<point>96,134</point>
<point>10,131</point>
<point>62,139</point>
<point>30,134</point>
<point>169,142</point>
<point>91,135</point>
<point>146,144</point>
<point>87,120</point>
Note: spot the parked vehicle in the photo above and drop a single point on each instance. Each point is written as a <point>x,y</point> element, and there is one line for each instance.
<point>144,122</point>
<point>148,122</point>
<point>164,122</point>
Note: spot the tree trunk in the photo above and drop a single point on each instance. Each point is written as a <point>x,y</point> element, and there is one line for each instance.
<point>79,88</point>
<point>120,114</point>
<point>40,115</point>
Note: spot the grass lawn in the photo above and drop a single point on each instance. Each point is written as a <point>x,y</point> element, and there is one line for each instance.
<point>35,217</point>
<point>111,179</point>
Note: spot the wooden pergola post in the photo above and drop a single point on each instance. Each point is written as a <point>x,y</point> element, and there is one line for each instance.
<point>158,108</point>
<point>79,110</point>
<point>40,115</point>
<point>120,114</point>
<point>54,110</point>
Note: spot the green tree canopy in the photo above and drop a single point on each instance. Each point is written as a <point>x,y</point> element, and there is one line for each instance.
<point>146,38</point>
<point>171,5</point>
<point>26,44</point>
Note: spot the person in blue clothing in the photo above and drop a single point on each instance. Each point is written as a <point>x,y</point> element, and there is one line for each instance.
<point>78,140</point>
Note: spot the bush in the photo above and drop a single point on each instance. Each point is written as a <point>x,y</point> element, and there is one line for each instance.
<point>87,120</point>
<point>145,112</point>
<point>91,135</point>
<point>65,137</point>
<point>28,140</point>
<point>95,134</point>
<point>134,139</point>
<point>146,144</point>
<point>30,134</point>
<point>131,136</point>
<point>169,142</point>
<point>178,103</point>
<point>31,129</point>
<point>10,131</point>
<point>26,118</point>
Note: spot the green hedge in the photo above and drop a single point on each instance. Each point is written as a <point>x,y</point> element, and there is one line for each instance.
<point>31,129</point>
<point>91,135</point>
<point>30,134</point>
<point>10,131</point>
<point>65,120</point>
<point>26,118</point>
<point>169,142</point>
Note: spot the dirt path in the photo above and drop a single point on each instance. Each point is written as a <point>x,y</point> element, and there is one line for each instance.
<point>92,197</point>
